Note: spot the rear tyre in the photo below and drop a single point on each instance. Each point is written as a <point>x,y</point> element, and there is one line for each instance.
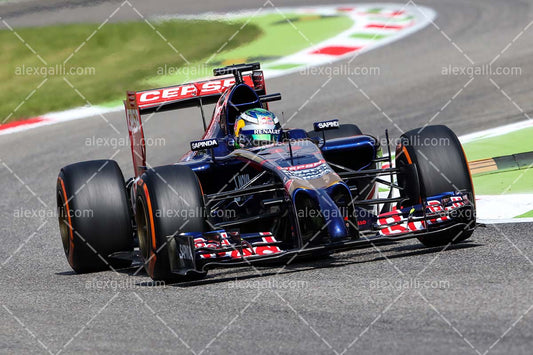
<point>442,167</point>
<point>94,215</point>
<point>344,130</point>
<point>169,201</point>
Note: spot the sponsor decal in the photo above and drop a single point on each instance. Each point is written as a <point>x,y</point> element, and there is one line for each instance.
<point>266,131</point>
<point>305,166</point>
<point>395,222</point>
<point>395,217</point>
<point>204,144</point>
<point>324,125</point>
<point>309,171</point>
<point>186,91</point>
<point>266,120</point>
<point>238,251</point>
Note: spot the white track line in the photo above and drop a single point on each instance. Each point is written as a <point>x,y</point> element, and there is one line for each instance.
<point>497,131</point>
<point>505,221</point>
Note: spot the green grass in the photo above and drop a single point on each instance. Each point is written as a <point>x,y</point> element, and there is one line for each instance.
<point>526,215</point>
<point>509,182</point>
<point>285,66</point>
<point>118,57</point>
<point>285,34</point>
<point>278,38</point>
<point>512,143</point>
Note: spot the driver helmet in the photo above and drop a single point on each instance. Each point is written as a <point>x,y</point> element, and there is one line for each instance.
<point>256,127</point>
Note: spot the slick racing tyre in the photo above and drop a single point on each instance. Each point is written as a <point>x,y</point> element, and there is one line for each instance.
<point>442,167</point>
<point>169,201</point>
<point>94,215</point>
<point>344,130</point>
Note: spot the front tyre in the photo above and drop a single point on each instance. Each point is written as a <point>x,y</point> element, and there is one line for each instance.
<point>94,215</point>
<point>169,201</point>
<point>442,167</point>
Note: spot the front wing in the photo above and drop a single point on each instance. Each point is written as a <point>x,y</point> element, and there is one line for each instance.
<point>198,252</point>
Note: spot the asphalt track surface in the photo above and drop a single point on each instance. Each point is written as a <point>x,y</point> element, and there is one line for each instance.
<point>471,298</point>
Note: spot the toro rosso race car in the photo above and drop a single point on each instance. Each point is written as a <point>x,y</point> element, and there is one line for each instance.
<point>251,191</point>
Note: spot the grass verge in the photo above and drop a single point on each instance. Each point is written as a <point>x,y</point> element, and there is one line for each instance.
<point>282,34</point>
<point>508,182</point>
<point>59,67</point>
<point>510,143</point>
<point>526,215</point>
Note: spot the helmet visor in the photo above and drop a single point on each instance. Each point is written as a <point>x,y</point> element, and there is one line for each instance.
<point>251,138</point>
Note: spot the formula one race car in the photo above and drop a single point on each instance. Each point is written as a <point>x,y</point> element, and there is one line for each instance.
<point>251,191</point>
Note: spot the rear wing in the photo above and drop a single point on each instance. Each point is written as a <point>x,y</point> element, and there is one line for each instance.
<point>192,94</point>
<point>181,96</point>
